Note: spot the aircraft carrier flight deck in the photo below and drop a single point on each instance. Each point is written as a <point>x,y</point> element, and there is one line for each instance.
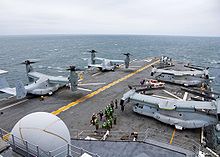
<point>76,109</point>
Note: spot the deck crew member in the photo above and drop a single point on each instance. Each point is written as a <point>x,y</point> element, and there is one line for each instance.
<point>96,124</point>
<point>122,107</point>
<point>108,125</point>
<point>101,115</point>
<point>42,98</point>
<point>110,122</point>
<point>142,82</point>
<point>116,103</point>
<point>112,105</point>
<point>111,111</point>
<point>94,117</point>
<point>114,118</point>
<point>104,125</point>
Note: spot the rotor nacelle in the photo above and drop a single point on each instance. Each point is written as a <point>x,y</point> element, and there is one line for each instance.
<point>73,77</point>
<point>127,59</point>
<point>127,54</point>
<point>72,68</point>
<point>29,68</point>
<point>93,56</point>
<point>92,51</point>
<point>28,62</point>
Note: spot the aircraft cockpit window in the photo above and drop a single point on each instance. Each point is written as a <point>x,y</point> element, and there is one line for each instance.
<point>139,105</point>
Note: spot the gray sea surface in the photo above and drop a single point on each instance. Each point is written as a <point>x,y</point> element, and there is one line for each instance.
<point>57,52</point>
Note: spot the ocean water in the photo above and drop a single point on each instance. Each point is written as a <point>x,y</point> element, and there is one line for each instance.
<point>57,52</point>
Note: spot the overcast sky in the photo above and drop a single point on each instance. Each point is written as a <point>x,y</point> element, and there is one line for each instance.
<point>150,17</point>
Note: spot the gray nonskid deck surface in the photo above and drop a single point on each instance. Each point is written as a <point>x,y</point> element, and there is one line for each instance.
<point>10,153</point>
<point>78,116</point>
<point>130,149</point>
<point>61,98</point>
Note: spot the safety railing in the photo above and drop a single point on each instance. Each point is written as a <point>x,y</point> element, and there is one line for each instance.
<point>21,146</point>
<point>152,134</point>
<point>27,149</point>
<point>70,150</point>
<point>183,142</point>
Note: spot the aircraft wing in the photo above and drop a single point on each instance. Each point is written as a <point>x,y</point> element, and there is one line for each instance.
<point>4,86</point>
<point>117,61</point>
<point>171,72</point>
<point>195,72</point>
<point>171,104</point>
<point>180,73</point>
<point>97,58</point>
<point>8,90</point>
<point>58,79</point>
<point>36,75</point>
<point>96,65</point>
<point>52,79</point>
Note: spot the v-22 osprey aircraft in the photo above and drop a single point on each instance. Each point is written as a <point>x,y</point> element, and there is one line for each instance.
<point>186,78</point>
<point>40,84</point>
<point>107,64</point>
<point>180,113</point>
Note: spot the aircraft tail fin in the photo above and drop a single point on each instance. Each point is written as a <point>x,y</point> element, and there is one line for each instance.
<point>20,90</point>
<point>3,83</point>
<point>29,68</point>
<point>73,78</point>
<point>28,63</point>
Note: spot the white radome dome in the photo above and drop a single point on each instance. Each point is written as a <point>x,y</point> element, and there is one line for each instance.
<point>43,129</point>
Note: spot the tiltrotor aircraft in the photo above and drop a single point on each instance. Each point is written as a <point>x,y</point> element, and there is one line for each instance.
<point>180,113</point>
<point>40,84</point>
<point>186,78</point>
<point>107,64</point>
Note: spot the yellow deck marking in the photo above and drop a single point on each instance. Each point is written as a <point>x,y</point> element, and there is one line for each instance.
<point>172,137</point>
<point>6,137</point>
<point>64,108</point>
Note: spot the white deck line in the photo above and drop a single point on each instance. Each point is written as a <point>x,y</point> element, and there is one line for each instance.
<point>97,73</point>
<point>91,84</point>
<point>17,103</point>
<point>172,95</point>
<point>163,97</point>
<point>85,89</point>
